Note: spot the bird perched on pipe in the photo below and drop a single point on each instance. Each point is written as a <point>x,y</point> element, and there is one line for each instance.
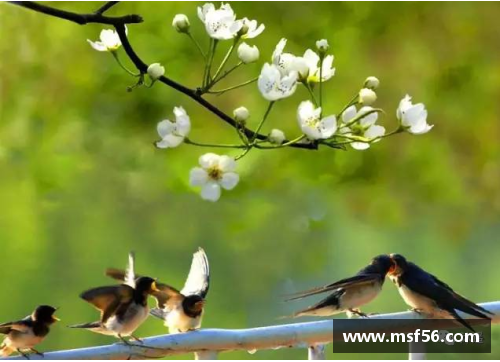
<point>428,295</point>
<point>23,335</point>
<point>123,307</point>
<point>182,310</point>
<point>348,294</point>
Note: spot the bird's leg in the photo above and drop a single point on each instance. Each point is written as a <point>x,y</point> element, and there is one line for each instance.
<point>136,339</point>
<point>416,310</point>
<point>358,313</point>
<point>124,340</point>
<point>36,352</point>
<point>22,353</point>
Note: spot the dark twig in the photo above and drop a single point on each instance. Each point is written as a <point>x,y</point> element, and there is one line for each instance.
<point>106,7</point>
<point>81,19</point>
<point>119,24</point>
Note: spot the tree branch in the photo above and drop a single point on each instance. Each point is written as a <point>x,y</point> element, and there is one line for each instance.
<point>119,24</point>
<point>106,7</point>
<point>80,19</point>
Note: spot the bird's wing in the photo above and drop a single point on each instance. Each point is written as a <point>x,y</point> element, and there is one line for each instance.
<point>198,280</point>
<point>165,292</point>
<point>7,327</point>
<point>462,303</point>
<point>445,297</point>
<point>358,279</point>
<point>108,299</point>
<point>127,276</point>
<point>130,276</point>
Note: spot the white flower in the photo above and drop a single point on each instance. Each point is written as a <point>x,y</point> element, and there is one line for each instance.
<point>322,46</point>
<point>181,23</point>
<point>219,23</point>
<point>372,83</point>
<point>241,114</point>
<point>312,59</point>
<point>276,136</point>
<point>367,96</point>
<point>365,127</point>
<point>248,54</point>
<point>273,85</point>
<point>283,61</point>
<point>311,123</point>
<point>109,41</point>
<point>155,71</point>
<point>250,30</point>
<point>413,117</point>
<point>215,172</point>
<point>173,133</point>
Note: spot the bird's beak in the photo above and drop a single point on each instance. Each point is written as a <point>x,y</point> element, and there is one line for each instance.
<point>154,287</point>
<point>394,266</point>
<point>55,319</point>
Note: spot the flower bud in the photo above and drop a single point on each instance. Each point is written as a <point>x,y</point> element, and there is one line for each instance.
<point>155,71</point>
<point>367,96</point>
<point>181,23</point>
<point>248,54</point>
<point>371,83</point>
<point>241,114</point>
<point>276,136</point>
<point>322,46</point>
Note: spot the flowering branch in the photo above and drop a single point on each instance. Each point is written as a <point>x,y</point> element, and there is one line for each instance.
<point>119,24</point>
<point>278,79</point>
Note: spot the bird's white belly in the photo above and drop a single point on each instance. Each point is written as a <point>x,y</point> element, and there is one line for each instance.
<point>355,297</point>
<point>134,317</point>
<point>417,301</point>
<point>22,340</point>
<point>177,321</point>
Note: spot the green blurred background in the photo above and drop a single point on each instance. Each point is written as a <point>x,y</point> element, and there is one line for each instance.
<point>81,183</point>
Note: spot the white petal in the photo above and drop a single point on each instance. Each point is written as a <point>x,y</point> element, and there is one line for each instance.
<point>227,164</point>
<point>209,160</point>
<point>256,32</point>
<point>210,191</point>
<point>328,126</point>
<point>305,111</point>
<point>311,132</point>
<point>229,180</point>
<point>97,45</point>
<point>360,146</point>
<point>415,114</point>
<point>165,128</point>
<point>349,114</point>
<point>279,50</point>
<point>369,119</point>
<point>198,177</point>
<point>170,141</point>
<point>404,104</point>
<point>311,59</point>
<point>423,130</point>
<point>374,132</point>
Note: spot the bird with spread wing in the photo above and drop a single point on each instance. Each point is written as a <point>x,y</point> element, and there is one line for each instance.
<point>182,310</point>
<point>123,307</point>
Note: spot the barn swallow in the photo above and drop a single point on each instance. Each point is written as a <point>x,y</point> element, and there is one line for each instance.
<point>25,334</point>
<point>426,294</point>
<point>123,307</point>
<point>348,294</point>
<point>181,311</point>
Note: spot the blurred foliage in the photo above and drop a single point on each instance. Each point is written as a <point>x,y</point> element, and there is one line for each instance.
<point>82,184</point>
